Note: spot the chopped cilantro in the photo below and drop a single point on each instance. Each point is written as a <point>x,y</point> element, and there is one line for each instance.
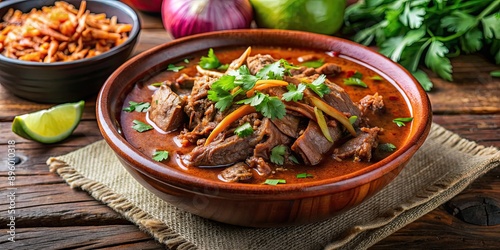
<point>269,106</point>
<point>401,121</point>
<point>294,93</point>
<point>223,67</point>
<point>141,126</point>
<point>386,147</point>
<point>376,78</point>
<point>220,92</point>
<point>271,71</point>
<point>355,82</point>
<point>244,130</point>
<point>352,119</point>
<point>210,61</point>
<point>174,68</point>
<point>137,106</point>
<point>160,155</point>
<point>156,84</point>
<point>186,60</point>
<point>277,154</point>
<point>313,64</point>
<point>318,86</point>
<point>274,182</point>
<point>304,175</point>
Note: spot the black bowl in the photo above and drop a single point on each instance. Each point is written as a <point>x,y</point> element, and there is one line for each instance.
<point>60,82</point>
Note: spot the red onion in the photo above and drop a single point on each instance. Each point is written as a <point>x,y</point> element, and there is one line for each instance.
<point>187,17</point>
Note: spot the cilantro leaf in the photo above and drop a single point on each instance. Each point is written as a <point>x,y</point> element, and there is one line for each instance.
<point>352,81</point>
<point>435,59</point>
<point>137,106</point>
<point>271,71</point>
<point>386,147</point>
<point>294,93</point>
<point>471,41</point>
<point>353,119</point>
<point>412,17</point>
<point>458,21</point>
<point>255,100</point>
<point>220,92</point>
<point>160,155</point>
<point>423,79</point>
<point>210,61</point>
<point>491,26</point>
<point>313,64</point>
<point>318,86</point>
<point>376,78</point>
<point>274,182</point>
<point>141,126</point>
<point>272,107</point>
<point>304,175</point>
<point>244,130</point>
<point>401,121</point>
<point>277,154</point>
<point>174,68</point>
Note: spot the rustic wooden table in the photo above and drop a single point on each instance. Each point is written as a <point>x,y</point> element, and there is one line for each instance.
<point>49,214</point>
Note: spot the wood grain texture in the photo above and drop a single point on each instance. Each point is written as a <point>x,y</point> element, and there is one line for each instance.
<point>50,214</point>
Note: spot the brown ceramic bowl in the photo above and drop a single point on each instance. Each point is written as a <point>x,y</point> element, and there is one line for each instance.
<point>60,82</point>
<point>258,205</point>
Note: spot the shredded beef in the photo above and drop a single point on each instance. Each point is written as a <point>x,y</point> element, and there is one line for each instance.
<point>373,103</point>
<point>166,109</point>
<point>236,173</point>
<point>359,147</point>
<point>312,144</point>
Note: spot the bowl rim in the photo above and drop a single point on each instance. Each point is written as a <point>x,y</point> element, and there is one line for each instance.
<point>134,33</point>
<point>184,181</point>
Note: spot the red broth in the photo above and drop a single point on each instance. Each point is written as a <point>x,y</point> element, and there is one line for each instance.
<point>395,106</point>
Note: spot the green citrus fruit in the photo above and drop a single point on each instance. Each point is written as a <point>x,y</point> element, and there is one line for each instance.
<point>49,125</point>
<point>318,16</point>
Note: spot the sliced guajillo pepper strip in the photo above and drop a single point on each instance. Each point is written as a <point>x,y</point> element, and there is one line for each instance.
<point>264,84</point>
<point>232,117</point>
<point>322,124</point>
<point>333,112</point>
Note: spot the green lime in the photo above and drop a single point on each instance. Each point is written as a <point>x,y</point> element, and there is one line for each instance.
<point>50,125</point>
<point>318,16</point>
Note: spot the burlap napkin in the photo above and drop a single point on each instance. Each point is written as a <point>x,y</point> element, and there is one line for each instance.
<point>442,168</point>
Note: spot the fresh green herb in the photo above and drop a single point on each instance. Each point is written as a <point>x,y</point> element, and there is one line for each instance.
<point>244,130</point>
<point>376,78</point>
<point>160,155</point>
<point>426,32</point>
<point>141,126</point>
<point>294,93</point>
<point>174,68</point>
<point>220,92</point>
<point>137,106</point>
<point>274,182</point>
<point>244,78</point>
<point>495,73</point>
<point>156,84</point>
<point>277,154</point>
<point>287,66</point>
<point>304,175</point>
<point>186,60</point>
<point>353,119</point>
<point>293,159</point>
<point>353,81</point>
<point>401,121</point>
<point>318,86</point>
<point>313,64</point>
<point>223,67</point>
<point>270,106</point>
<point>210,61</point>
<point>386,147</point>
<point>271,71</point>
<point>357,74</point>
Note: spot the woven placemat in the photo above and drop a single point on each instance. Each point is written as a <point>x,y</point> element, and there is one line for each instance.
<point>442,168</point>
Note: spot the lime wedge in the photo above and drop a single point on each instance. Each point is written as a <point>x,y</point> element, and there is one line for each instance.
<point>50,125</point>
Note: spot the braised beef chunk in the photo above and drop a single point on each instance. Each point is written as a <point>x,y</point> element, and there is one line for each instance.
<point>272,138</point>
<point>373,103</point>
<point>303,71</point>
<point>329,69</point>
<point>257,62</point>
<point>237,172</point>
<point>259,164</point>
<point>166,109</point>
<point>220,153</point>
<point>359,147</point>
<point>289,125</point>
<point>312,144</point>
<point>340,100</point>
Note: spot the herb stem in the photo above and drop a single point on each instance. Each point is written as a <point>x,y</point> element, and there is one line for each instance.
<point>488,9</point>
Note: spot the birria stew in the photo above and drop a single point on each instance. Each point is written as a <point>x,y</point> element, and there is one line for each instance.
<point>266,115</point>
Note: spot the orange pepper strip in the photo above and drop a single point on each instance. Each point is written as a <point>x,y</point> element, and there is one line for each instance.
<point>333,112</point>
<point>264,84</point>
<point>235,115</point>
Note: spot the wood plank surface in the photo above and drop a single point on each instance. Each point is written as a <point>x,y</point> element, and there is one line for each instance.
<point>50,215</point>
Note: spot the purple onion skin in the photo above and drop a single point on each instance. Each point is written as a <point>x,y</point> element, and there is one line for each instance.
<point>180,17</point>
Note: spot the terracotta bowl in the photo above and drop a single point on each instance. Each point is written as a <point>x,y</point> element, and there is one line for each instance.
<point>257,205</point>
<point>60,82</point>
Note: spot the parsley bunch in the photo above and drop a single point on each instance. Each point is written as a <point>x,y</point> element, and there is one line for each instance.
<point>416,32</point>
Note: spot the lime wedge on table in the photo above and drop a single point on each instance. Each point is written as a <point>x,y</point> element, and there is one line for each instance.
<point>50,125</point>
